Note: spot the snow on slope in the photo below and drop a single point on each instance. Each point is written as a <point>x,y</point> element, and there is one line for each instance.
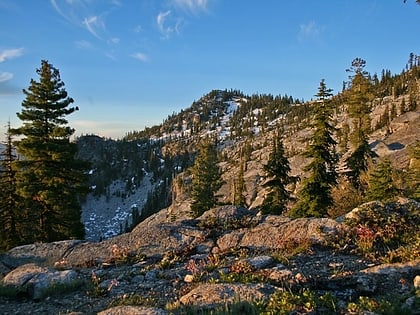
<point>105,218</point>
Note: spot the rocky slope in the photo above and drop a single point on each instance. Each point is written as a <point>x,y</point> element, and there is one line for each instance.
<point>172,264</point>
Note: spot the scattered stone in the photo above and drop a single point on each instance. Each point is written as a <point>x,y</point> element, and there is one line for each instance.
<point>416,282</point>
<point>150,275</point>
<point>280,274</point>
<point>133,310</point>
<point>188,278</point>
<point>210,295</point>
<point>321,269</point>
<point>260,262</point>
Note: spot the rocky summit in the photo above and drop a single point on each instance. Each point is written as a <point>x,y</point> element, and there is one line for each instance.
<point>230,260</point>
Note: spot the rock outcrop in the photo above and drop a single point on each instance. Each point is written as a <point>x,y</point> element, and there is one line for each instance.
<point>228,254</point>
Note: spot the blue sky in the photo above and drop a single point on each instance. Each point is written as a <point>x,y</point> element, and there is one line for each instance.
<point>130,63</point>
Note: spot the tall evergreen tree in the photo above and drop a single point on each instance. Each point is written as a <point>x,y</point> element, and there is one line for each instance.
<point>9,234</point>
<point>206,178</point>
<point>50,178</point>
<point>382,183</point>
<point>277,172</point>
<point>359,95</point>
<point>239,186</point>
<point>315,197</point>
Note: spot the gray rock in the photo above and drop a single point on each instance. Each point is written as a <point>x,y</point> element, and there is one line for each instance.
<point>280,274</point>
<point>35,280</point>
<point>150,275</point>
<point>133,310</point>
<point>397,268</point>
<point>260,262</point>
<point>21,275</point>
<point>275,231</point>
<point>225,214</point>
<point>210,295</point>
<point>45,253</point>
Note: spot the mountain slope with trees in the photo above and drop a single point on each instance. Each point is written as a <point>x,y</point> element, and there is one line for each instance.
<point>241,126</point>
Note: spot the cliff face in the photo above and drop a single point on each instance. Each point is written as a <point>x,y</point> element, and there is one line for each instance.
<point>171,262</point>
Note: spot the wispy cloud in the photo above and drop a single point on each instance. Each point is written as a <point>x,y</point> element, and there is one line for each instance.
<point>117,3</point>
<point>192,5</point>
<point>83,44</point>
<point>10,54</point>
<point>5,76</point>
<point>309,31</point>
<point>161,18</point>
<point>140,56</point>
<point>83,13</point>
<point>167,24</point>
<point>5,55</point>
<point>113,41</point>
<point>94,24</point>
<point>59,11</point>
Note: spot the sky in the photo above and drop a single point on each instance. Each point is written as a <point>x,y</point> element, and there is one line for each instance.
<point>128,64</point>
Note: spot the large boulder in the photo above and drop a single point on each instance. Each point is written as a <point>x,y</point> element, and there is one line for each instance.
<point>210,295</point>
<point>275,232</point>
<point>133,310</point>
<point>36,280</point>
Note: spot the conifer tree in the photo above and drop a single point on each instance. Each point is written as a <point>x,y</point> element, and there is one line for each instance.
<point>239,186</point>
<point>277,172</point>
<point>206,178</point>
<point>315,197</point>
<point>9,215</point>
<point>359,95</point>
<point>381,182</point>
<point>50,178</point>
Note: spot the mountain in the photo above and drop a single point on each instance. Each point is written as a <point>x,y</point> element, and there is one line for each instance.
<point>133,177</point>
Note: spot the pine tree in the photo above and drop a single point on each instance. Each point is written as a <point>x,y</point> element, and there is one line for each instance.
<point>359,96</point>
<point>50,178</point>
<point>381,182</point>
<point>206,179</point>
<point>239,186</point>
<point>358,163</point>
<point>314,198</point>
<point>277,172</point>
<point>9,215</point>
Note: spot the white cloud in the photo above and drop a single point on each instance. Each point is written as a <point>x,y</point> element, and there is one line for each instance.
<point>83,44</point>
<point>140,56</point>
<point>81,13</point>
<point>309,31</point>
<point>162,16</point>
<point>10,53</point>
<point>192,5</point>
<point>117,3</point>
<point>94,24</point>
<point>5,76</point>
<point>168,25</point>
<point>114,40</point>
